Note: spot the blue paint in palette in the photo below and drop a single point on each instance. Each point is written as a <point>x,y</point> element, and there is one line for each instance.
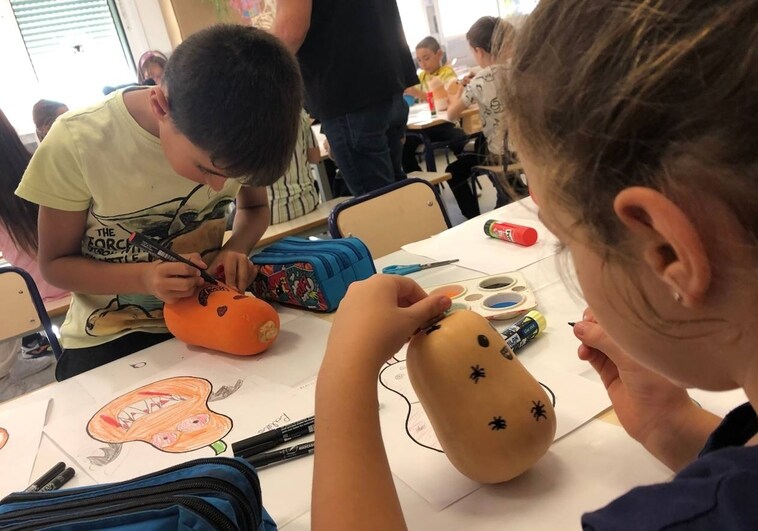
<point>505,304</point>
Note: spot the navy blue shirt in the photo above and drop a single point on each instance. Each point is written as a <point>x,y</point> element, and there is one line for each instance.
<point>717,491</point>
<point>354,56</point>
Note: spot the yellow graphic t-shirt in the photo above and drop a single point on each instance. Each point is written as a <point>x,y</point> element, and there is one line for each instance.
<point>100,160</point>
<point>445,73</point>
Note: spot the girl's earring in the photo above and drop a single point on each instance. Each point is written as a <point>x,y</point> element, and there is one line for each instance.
<point>678,297</point>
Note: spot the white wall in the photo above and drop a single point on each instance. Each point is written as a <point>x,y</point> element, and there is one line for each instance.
<point>144,26</point>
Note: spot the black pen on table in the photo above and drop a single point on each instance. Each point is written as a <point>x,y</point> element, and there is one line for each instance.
<point>279,456</point>
<point>269,439</point>
<point>46,478</point>
<point>158,251</point>
<point>59,480</point>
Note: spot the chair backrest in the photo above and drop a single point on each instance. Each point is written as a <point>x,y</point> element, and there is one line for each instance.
<point>388,218</point>
<point>22,310</point>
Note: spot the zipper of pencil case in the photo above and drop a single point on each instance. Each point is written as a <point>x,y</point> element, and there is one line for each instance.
<point>326,246</point>
<point>205,510</point>
<point>309,248</point>
<point>276,257</point>
<point>101,503</point>
<point>342,261</point>
<point>243,468</point>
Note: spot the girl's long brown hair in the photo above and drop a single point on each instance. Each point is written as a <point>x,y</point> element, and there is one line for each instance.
<point>18,216</point>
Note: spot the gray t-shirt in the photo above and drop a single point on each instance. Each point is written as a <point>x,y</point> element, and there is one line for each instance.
<point>483,90</point>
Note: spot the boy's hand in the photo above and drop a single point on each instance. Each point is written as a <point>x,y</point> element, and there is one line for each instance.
<point>233,269</point>
<point>172,281</point>
<point>644,401</point>
<point>377,316</point>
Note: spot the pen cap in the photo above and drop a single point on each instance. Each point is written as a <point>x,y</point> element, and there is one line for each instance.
<point>510,232</point>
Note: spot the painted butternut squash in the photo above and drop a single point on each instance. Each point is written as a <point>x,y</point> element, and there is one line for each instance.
<point>3,437</point>
<point>172,415</point>
<point>222,319</point>
<point>492,418</point>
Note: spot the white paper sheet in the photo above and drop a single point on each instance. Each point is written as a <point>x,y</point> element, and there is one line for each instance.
<point>20,434</point>
<point>429,472</point>
<point>468,243</point>
<point>250,402</point>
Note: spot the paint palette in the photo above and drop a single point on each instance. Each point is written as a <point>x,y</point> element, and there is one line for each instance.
<point>496,297</point>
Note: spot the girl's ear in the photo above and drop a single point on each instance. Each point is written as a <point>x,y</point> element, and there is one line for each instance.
<point>672,246</point>
<point>159,103</point>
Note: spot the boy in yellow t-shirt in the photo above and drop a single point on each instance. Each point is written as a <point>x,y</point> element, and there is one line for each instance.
<point>429,56</point>
<point>165,161</point>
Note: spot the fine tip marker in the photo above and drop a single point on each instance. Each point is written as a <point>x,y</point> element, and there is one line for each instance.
<point>164,253</point>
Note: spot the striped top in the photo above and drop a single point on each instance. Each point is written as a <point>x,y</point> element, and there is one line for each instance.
<point>294,194</point>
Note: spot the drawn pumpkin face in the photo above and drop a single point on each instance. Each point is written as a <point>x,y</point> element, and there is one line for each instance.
<point>492,418</point>
<point>172,415</point>
<point>3,437</point>
<point>221,319</point>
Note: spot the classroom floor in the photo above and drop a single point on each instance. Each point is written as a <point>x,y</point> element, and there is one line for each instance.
<point>10,389</point>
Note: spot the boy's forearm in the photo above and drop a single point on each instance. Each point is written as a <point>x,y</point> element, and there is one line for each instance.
<point>249,225</point>
<point>85,275</point>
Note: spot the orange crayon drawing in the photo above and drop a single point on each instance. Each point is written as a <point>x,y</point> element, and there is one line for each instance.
<point>172,415</point>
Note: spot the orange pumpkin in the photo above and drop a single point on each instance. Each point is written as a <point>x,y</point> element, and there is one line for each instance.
<point>222,319</point>
<point>172,415</point>
<point>491,417</point>
<point>3,437</point>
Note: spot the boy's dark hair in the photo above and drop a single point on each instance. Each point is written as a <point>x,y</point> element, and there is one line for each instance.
<point>430,43</point>
<point>236,92</point>
<point>481,32</point>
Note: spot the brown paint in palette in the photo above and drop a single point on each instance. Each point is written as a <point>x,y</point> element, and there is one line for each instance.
<point>496,297</point>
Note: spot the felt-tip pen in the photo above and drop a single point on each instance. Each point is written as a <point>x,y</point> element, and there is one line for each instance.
<point>285,454</point>
<point>524,330</point>
<point>164,253</point>
<point>46,478</point>
<point>269,439</point>
<point>59,480</point>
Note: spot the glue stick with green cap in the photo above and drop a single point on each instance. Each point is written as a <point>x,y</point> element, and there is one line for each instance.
<point>524,330</point>
<point>510,232</point>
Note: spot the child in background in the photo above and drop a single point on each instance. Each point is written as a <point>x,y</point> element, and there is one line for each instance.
<point>44,113</point>
<point>483,89</point>
<point>294,194</point>
<point>150,68</point>
<point>631,123</point>
<point>18,244</point>
<point>429,55</point>
<point>165,161</point>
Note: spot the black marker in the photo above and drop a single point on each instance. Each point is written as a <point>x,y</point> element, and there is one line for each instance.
<point>46,478</point>
<point>571,323</point>
<point>285,454</point>
<point>59,480</point>
<point>269,439</point>
<point>158,251</point>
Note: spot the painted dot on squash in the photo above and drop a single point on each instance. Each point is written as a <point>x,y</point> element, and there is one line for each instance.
<point>483,341</point>
<point>221,310</point>
<point>238,297</point>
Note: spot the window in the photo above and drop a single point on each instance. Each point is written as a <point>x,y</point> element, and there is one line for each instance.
<point>76,47</point>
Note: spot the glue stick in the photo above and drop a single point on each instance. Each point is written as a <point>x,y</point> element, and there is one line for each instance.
<point>510,232</point>
<point>524,330</point>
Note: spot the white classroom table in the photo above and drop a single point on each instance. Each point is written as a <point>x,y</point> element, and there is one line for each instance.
<point>582,471</point>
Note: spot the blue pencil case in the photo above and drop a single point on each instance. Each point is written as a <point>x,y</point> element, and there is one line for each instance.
<point>202,495</point>
<point>311,274</point>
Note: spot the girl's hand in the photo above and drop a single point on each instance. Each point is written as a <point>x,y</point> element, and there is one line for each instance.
<point>233,269</point>
<point>377,316</point>
<point>644,401</point>
<point>172,281</point>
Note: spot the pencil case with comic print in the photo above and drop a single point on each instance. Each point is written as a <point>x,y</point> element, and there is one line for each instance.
<point>311,274</point>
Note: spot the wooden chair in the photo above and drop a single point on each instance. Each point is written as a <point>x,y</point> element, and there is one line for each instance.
<point>22,309</point>
<point>388,218</point>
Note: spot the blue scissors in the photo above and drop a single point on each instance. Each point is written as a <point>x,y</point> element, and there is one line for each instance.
<point>412,268</point>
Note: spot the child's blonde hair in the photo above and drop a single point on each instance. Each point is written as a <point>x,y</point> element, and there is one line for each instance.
<point>663,94</point>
